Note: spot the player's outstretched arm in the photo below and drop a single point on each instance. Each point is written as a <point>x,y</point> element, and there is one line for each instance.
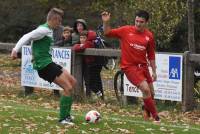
<point>36,34</point>
<point>106,22</point>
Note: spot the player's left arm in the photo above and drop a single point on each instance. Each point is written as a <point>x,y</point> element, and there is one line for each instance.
<point>151,56</point>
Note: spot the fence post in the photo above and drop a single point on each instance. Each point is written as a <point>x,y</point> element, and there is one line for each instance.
<point>188,84</point>
<point>78,93</point>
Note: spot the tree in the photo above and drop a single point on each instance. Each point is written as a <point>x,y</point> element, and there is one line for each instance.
<point>191,41</point>
<point>180,37</point>
<point>20,16</point>
<point>165,15</point>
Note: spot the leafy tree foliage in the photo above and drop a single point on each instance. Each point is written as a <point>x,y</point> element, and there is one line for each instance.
<point>165,15</point>
<point>18,17</point>
<point>179,40</point>
<point>168,17</point>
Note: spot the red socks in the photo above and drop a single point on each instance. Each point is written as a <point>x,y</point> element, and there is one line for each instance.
<point>150,106</point>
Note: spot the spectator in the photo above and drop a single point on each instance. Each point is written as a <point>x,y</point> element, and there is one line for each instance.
<point>66,39</point>
<point>62,38</point>
<point>57,33</point>
<point>79,26</point>
<point>91,72</point>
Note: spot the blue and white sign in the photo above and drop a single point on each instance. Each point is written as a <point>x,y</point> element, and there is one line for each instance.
<point>169,79</point>
<point>29,76</point>
<point>174,67</point>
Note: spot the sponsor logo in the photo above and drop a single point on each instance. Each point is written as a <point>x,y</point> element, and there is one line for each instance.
<point>174,67</point>
<point>138,47</point>
<point>131,34</point>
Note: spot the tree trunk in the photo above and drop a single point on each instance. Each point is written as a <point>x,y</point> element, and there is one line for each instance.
<point>191,41</point>
<point>188,92</point>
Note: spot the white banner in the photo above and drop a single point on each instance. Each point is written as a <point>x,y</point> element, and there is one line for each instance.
<point>169,79</point>
<point>29,76</point>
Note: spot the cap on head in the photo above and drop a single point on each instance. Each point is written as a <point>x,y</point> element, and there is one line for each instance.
<point>82,21</point>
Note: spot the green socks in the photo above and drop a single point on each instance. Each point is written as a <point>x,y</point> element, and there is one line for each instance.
<point>65,106</point>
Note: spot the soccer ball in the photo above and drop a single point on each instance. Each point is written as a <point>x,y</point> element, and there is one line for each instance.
<point>92,116</point>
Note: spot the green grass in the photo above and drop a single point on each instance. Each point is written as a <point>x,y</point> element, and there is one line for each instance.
<point>20,118</point>
<point>38,113</point>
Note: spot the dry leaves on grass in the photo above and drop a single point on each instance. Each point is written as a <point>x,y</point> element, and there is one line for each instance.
<point>9,77</point>
<point>124,131</point>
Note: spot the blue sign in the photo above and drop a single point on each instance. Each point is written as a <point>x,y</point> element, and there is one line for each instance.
<point>174,67</point>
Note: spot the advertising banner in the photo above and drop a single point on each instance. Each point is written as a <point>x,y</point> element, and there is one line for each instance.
<point>29,76</point>
<point>169,79</point>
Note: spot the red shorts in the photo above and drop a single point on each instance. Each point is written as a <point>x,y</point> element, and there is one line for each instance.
<point>137,74</point>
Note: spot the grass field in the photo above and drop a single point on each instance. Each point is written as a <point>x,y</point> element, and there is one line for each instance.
<point>38,113</point>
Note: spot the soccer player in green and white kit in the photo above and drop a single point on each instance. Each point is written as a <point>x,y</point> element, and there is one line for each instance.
<point>42,39</point>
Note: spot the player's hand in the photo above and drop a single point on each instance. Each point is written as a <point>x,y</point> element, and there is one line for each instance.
<point>13,54</point>
<point>154,76</point>
<point>105,16</point>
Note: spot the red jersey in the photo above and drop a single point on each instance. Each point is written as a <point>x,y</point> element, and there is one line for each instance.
<point>88,44</point>
<point>136,47</point>
<point>82,47</point>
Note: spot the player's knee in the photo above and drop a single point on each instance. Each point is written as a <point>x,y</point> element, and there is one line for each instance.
<point>70,78</point>
<point>70,87</point>
<point>68,90</point>
<point>146,92</point>
<point>152,94</point>
<point>67,86</point>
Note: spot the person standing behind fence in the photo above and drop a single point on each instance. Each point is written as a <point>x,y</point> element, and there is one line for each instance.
<point>66,40</point>
<point>62,37</point>
<point>57,35</point>
<point>95,82</point>
<point>87,61</point>
<point>42,40</point>
<point>79,26</point>
<point>137,48</point>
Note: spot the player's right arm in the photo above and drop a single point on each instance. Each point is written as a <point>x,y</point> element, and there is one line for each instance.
<point>36,34</point>
<point>106,22</point>
<point>108,31</point>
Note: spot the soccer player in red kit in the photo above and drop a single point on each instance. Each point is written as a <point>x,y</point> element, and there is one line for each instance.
<point>137,50</point>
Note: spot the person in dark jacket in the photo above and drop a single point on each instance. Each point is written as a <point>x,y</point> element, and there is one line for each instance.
<point>79,26</point>
<point>57,33</point>
<point>62,37</point>
<point>66,39</point>
<point>91,72</point>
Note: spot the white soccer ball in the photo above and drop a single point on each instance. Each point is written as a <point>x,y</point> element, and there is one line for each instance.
<point>92,116</point>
